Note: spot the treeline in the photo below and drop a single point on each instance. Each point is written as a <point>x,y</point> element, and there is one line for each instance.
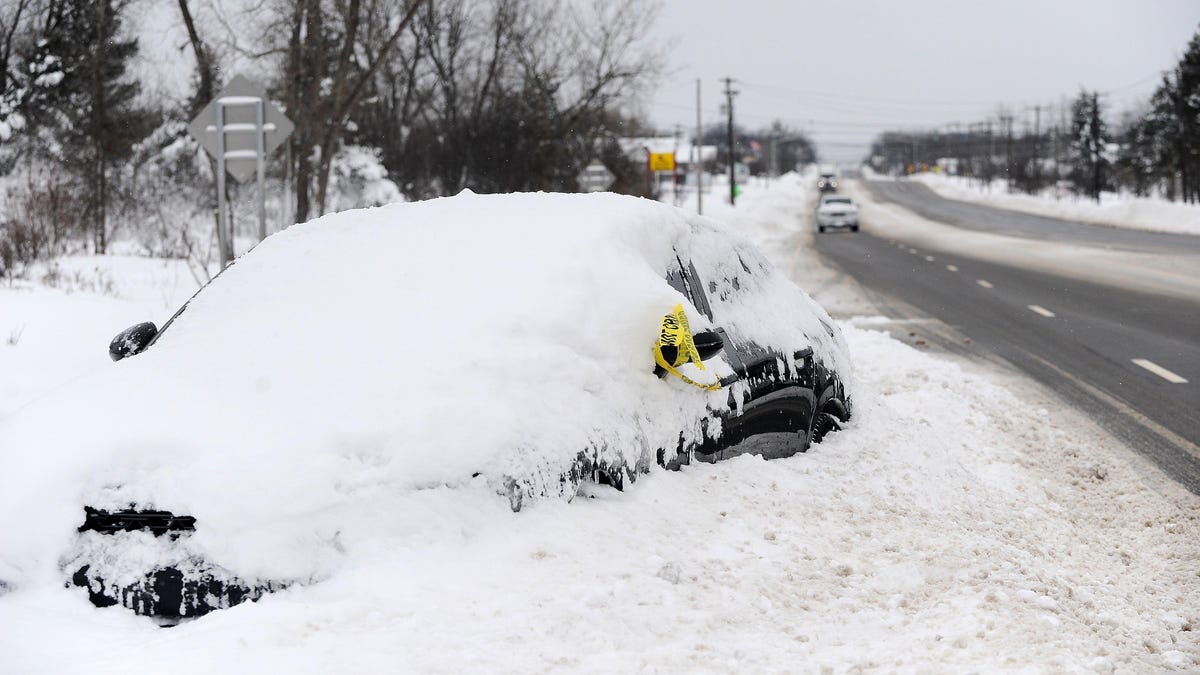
<point>1077,147</point>
<point>756,148</point>
<point>491,95</point>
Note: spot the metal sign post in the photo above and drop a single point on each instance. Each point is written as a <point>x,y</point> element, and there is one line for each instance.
<point>223,233</point>
<point>240,128</point>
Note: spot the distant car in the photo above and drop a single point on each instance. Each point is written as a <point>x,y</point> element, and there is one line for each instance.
<point>827,182</point>
<point>837,211</point>
<point>522,344</point>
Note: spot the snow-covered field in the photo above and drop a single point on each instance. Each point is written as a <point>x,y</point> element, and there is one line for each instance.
<point>963,521</point>
<point>1140,213</point>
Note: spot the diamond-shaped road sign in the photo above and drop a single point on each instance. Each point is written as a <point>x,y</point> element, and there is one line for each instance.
<point>595,178</point>
<point>239,102</point>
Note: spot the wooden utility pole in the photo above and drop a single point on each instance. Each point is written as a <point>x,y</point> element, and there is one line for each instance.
<point>1037,140</point>
<point>698,159</point>
<point>1096,149</point>
<point>1180,148</point>
<point>729,94</point>
<point>1054,134</point>
<point>1007,120</point>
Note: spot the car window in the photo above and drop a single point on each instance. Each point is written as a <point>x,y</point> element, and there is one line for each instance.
<point>731,277</point>
<point>686,280</point>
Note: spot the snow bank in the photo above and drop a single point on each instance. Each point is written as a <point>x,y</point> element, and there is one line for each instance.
<point>56,326</point>
<point>957,525</point>
<point>1139,213</point>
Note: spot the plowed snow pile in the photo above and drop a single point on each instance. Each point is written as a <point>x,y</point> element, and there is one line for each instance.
<point>963,522</point>
<point>1139,213</point>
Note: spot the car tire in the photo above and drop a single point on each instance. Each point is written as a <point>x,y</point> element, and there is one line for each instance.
<point>854,228</point>
<point>822,425</point>
<point>821,229</point>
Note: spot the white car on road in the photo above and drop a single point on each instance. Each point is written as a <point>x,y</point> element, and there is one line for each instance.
<point>837,211</point>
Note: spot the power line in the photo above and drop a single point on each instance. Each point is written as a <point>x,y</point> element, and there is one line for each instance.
<point>850,98</point>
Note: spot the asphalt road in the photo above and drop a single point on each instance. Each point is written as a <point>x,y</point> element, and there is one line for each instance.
<point>1116,353</point>
<point>919,199</point>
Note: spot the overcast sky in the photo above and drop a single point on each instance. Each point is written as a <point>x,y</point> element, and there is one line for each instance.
<point>844,69</point>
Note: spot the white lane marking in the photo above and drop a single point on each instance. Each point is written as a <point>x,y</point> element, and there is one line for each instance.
<point>912,251</point>
<point>985,283</point>
<point>952,268</point>
<point>1042,310</point>
<point>929,258</point>
<point>1160,371</point>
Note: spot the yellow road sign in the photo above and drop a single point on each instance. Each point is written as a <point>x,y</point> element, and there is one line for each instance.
<point>662,161</point>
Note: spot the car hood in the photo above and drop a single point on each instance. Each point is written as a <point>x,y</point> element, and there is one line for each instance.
<point>373,353</point>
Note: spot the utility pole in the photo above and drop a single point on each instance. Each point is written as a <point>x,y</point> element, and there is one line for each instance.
<point>1007,120</point>
<point>1037,140</point>
<point>1096,149</point>
<point>1064,128</point>
<point>991,154</point>
<point>675,165</point>
<point>699,159</point>
<point>1180,149</point>
<point>774,142</point>
<point>729,94</point>
<point>1054,133</point>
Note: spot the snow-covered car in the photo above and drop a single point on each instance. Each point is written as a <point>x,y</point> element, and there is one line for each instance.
<point>514,345</point>
<point>837,211</point>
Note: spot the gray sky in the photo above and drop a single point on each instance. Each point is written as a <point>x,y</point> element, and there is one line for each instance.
<point>844,69</point>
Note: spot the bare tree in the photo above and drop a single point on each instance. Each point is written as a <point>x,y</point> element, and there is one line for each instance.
<point>205,67</point>
<point>323,90</point>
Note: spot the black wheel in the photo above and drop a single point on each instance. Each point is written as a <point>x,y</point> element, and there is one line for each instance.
<point>854,228</point>
<point>824,424</point>
<point>821,229</point>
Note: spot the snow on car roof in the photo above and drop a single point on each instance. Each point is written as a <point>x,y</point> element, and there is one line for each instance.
<point>377,351</point>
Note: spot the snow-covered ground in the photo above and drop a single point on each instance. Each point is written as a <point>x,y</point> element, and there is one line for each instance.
<point>963,521</point>
<point>56,325</point>
<point>1140,213</point>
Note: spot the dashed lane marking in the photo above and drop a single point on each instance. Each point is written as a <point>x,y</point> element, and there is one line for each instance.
<point>929,258</point>
<point>1160,371</point>
<point>1042,310</point>
<point>985,283</point>
<point>952,268</point>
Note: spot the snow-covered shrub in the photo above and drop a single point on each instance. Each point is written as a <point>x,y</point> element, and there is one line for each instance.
<point>357,178</point>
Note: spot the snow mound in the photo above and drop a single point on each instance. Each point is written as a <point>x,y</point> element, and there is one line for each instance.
<point>1114,210</point>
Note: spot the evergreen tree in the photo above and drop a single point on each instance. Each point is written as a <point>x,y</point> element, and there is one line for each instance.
<point>1186,113</point>
<point>1089,139</point>
<point>87,113</point>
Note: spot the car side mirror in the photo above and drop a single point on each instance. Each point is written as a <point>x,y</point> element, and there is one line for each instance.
<point>132,340</point>
<point>708,344</point>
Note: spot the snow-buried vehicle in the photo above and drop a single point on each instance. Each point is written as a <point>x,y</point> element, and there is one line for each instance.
<point>500,342</point>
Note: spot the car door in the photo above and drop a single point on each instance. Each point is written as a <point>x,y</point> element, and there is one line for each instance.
<point>776,392</point>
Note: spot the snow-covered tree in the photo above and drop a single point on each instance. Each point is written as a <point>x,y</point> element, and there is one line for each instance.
<point>79,101</point>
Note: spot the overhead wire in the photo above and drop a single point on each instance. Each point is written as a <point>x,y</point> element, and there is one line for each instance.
<point>879,114</point>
